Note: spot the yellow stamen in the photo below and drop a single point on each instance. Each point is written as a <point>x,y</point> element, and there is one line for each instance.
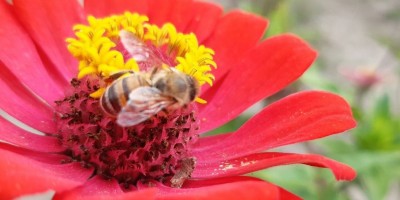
<point>98,93</point>
<point>96,48</point>
<point>200,100</point>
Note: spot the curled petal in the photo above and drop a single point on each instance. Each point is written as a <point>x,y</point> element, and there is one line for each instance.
<point>299,117</point>
<point>98,189</point>
<point>255,162</point>
<point>264,70</point>
<point>21,175</point>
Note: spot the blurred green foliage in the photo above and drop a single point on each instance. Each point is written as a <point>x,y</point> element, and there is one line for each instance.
<point>229,127</point>
<point>378,129</point>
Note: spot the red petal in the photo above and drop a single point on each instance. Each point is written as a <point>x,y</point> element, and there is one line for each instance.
<point>232,38</point>
<point>50,23</point>
<point>98,188</point>
<point>196,183</point>
<point>178,12</point>
<point>19,55</point>
<point>21,175</point>
<point>299,117</point>
<point>283,194</point>
<point>265,70</point>
<point>197,17</point>
<point>205,18</point>
<point>255,162</point>
<point>286,195</point>
<point>23,105</point>
<point>229,190</point>
<point>104,8</point>
<point>206,142</point>
<point>21,138</point>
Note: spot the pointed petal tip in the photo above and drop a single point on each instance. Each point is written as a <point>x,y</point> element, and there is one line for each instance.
<point>347,174</point>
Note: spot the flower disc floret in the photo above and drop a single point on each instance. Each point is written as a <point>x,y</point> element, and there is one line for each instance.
<point>157,149</point>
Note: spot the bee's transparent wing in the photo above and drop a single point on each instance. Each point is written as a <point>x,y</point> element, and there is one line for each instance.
<point>138,50</point>
<point>135,47</point>
<point>143,103</point>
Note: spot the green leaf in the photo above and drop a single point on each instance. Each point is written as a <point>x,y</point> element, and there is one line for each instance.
<point>382,107</point>
<point>280,18</point>
<point>376,182</point>
<point>307,182</point>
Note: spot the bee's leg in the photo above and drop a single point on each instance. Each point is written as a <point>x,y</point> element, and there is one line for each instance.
<point>153,72</point>
<point>165,110</point>
<point>118,74</point>
<point>157,68</point>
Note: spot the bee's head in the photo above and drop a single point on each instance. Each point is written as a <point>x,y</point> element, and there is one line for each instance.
<point>182,87</point>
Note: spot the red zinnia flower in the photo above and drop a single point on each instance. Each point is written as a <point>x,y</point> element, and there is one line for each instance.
<point>81,153</point>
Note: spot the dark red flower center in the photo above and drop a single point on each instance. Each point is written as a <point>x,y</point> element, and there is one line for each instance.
<point>115,144</point>
<point>157,149</point>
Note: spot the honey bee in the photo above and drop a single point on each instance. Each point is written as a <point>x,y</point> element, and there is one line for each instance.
<point>135,98</point>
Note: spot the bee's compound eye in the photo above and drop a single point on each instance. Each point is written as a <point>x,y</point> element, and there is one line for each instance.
<point>160,85</point>
<point>194,89</point>
<point>180,85</point>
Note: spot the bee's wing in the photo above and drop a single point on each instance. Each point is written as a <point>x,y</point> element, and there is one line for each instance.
<point>138,50</point>
<point>143,103</point>
<point>135,47</point>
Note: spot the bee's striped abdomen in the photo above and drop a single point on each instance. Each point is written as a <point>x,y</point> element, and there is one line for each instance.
<point>117,94</point>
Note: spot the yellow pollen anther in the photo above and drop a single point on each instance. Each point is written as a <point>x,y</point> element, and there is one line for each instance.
<point>97,47</point>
